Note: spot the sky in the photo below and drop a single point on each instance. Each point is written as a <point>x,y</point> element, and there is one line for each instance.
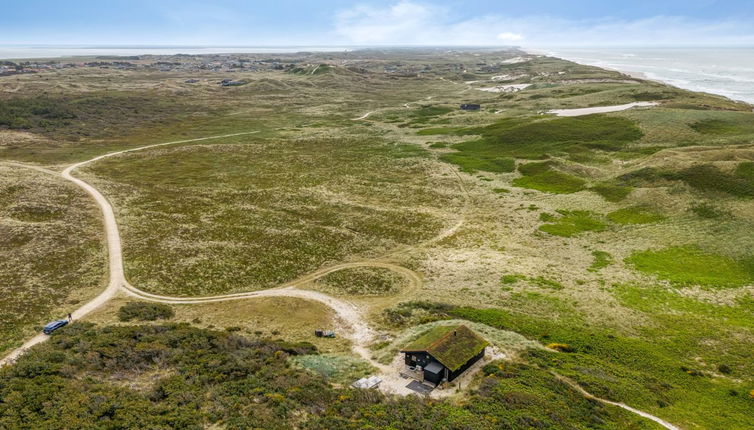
<point>527,23</point>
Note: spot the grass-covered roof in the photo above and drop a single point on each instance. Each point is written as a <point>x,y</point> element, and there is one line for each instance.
<point>451,345</point>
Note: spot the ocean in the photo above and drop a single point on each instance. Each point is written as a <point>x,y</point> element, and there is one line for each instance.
<point>725,71</point>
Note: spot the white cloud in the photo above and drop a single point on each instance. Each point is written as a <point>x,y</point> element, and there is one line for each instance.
<point>408,22</point>
<point>510,37</point>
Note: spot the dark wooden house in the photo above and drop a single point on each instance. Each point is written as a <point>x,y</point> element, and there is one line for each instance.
<point>445,352</point>
<point>470,106</point>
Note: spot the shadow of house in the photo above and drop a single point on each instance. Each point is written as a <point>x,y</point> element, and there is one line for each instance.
<point>445,352</point>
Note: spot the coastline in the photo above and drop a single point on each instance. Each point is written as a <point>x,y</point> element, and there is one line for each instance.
<point>667,69</point>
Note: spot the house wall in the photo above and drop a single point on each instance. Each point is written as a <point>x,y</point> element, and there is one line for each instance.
<point>418,359</point>
<point>460,370</point>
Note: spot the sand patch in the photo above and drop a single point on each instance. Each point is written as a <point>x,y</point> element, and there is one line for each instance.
<point>600,109</point>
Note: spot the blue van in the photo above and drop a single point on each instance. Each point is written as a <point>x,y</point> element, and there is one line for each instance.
<point>51,327</point>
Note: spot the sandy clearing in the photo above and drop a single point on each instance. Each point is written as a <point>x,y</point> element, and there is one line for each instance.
<point>363,116</point>
<point>600,109</point>
<point>512,88</point>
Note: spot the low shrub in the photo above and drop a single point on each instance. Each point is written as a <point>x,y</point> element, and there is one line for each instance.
<point>706,210</point>
<point>612,193</point>
<point>142,311</point>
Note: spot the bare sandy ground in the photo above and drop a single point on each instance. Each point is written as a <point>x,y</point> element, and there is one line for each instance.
<point>600,109</point>
<point>512,88</point>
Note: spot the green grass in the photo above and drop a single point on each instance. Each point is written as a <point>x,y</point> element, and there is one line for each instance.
<point>471,164</point>
<point>693,266</point>
<point>572,223</point>
<point>538,281</point>
<point>536,138</point>
<point>745,170</point>
<point>723,126</point>
<point>612,193</point>
<point>634,215</point>
<point>541,177</point>
<point>602,259</point>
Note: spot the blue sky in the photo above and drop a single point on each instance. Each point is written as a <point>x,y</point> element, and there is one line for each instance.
<point>529,23</point>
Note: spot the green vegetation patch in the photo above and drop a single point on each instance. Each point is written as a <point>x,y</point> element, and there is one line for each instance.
<point>424,115</point>
<point>572,223</point>
<point>472,164</point>
<point>363,281</point>
<point>634,215</point>
<point>612,193</point>
<point>541,177</point>
<point>707,177</point>
<point>539,281</point>
<point>536,138</point>
<point>602,259</point>
<point>706,210</point>
<point>687,265</point>
<point>143,311</point>
<point>723,126</point>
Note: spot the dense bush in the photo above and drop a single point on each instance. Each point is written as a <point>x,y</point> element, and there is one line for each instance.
<point>142,311</point>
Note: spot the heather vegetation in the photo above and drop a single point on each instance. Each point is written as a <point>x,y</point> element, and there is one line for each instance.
<point>228,197</point>
<point>362,281</point>
<point>51,256</point>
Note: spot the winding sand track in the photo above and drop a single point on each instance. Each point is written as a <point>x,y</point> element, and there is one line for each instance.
<point>361,334</point>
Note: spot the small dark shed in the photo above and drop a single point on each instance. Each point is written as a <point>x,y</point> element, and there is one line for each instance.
<point>470,106</point>
<point>445,352</point>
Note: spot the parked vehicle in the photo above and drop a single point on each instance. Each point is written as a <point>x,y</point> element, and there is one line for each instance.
<point>51,327</point>
<point>324,333</point>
